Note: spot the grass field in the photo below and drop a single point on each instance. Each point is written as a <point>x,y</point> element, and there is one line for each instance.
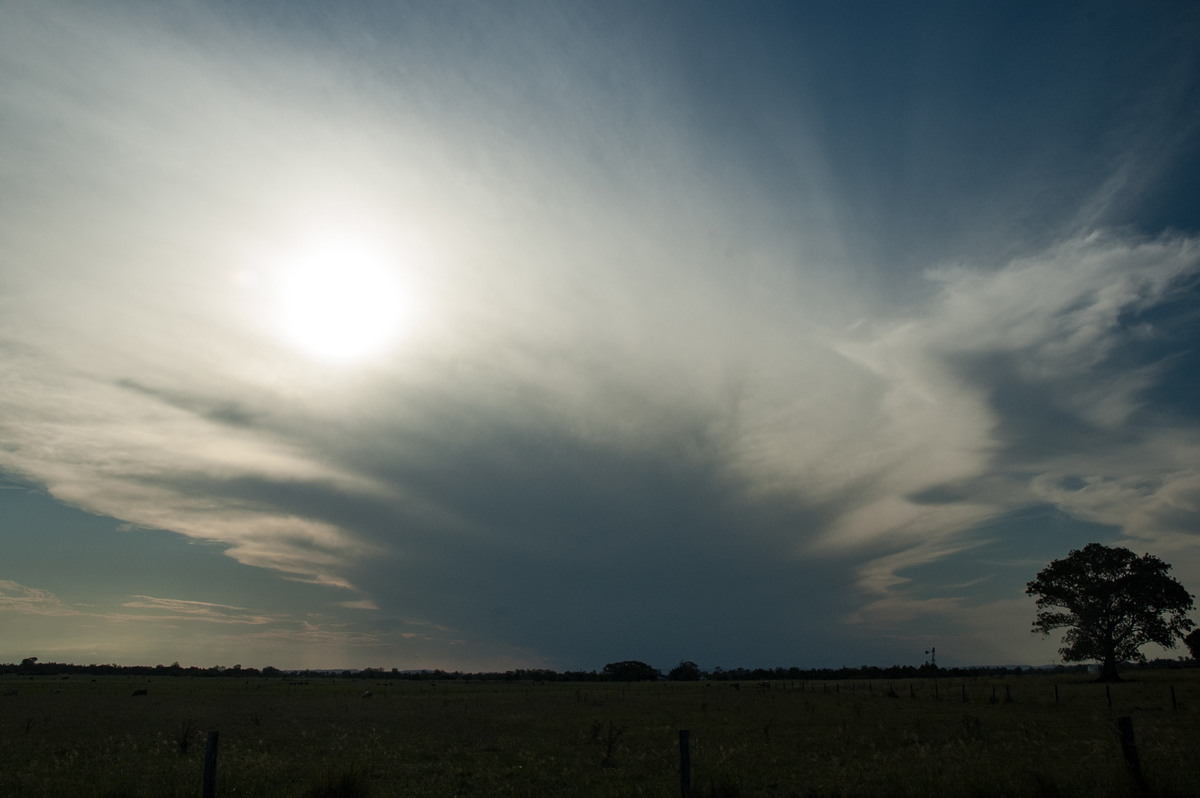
<point>84,736</point>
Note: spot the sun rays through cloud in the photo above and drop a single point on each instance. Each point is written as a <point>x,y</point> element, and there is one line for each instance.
<point>465,337</point>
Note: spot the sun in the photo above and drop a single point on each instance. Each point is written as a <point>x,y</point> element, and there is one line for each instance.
<point>342,299</point>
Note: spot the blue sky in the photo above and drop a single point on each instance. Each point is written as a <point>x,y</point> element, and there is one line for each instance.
<point>480,336</point>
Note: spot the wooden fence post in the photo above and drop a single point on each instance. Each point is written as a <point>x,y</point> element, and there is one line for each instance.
<point>210,766</point>
<point>1174,703</point>
<point>685,764</point>
<point>1129,746</point>
<point>1108,695</point>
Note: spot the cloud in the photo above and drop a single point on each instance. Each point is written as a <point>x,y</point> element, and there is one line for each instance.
<point>688,373</point>
<point>1027,373</point>
<point>15,597</point>
<point>184,610</point>
<point>145,628</point>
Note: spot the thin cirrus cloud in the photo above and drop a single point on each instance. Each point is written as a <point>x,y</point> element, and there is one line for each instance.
<point>707,361</point>
<point>197,630</point>
<point>15,597</point>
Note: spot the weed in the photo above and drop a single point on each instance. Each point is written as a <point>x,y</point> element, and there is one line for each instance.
<point>346,784</point>
<point>720,789</point>
<point>607,735</point>
<point>183,737</point>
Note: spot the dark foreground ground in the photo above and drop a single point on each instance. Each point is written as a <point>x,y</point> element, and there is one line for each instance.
<point>1026,735</point>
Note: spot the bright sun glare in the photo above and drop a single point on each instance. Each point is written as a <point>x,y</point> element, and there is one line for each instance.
<point>342,300</point>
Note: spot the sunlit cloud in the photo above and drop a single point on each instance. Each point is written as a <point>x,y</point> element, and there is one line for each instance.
<point>1036,347</point>
<point>467,324</point>
<point>184,610</point>
<point>15,597</point>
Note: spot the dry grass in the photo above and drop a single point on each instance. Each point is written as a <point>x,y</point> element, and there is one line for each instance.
<point>86,737</point>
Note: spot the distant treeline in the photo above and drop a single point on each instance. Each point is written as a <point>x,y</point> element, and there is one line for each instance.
<point>618,671</point>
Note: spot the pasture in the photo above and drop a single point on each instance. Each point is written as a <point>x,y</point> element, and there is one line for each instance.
<point>1022,735</point>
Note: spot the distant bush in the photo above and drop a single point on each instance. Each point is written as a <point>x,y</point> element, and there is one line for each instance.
<point>685,672</point>
<point>630,671</point>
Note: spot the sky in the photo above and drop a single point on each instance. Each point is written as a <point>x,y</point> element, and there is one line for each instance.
<point>480,335</point>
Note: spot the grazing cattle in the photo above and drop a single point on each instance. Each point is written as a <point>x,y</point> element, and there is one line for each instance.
<point>139,692</point>
<point>367,694</point>
<point>14,691</point>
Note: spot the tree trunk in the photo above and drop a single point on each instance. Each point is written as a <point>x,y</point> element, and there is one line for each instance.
<point>1108,671</point>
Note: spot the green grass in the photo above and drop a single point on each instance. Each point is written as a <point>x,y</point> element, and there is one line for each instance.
<point>90,737</point>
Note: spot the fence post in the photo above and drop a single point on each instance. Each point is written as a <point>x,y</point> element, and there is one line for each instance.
<point>1108,695</point>
<point>210,766</point>
<point>1056,695</point>
<point>1128,746</point>
<point>1174,703</point>
<point>685,764</point>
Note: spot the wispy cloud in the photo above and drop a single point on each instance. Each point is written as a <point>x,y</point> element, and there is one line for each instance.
<point>1050,405</point>
<point>163,609</point>
<point>774,358</point>
<point>15,597</point>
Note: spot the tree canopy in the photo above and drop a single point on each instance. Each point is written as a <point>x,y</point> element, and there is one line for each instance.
<point>630,671</point>
<point>1111,602</point>
<point>1192,641</point>
<point>685,671</point>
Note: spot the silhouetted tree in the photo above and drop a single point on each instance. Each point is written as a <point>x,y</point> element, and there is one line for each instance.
<point>1192,641</point>
<point>1111,602</point>
<point>630,671</point>
<point>684,672</point>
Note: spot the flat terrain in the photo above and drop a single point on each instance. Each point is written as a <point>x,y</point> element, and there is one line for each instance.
<point>1011,736</point>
